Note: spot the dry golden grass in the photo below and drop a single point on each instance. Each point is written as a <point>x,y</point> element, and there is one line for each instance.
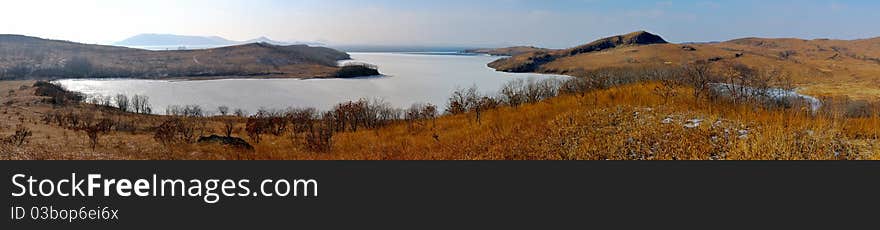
<point>629,122</point>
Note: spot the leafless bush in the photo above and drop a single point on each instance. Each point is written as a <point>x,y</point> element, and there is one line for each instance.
<point>418,114</point>
<point>512,92</point>
<point>666,90</point>
<point>21,135</point>
<point>768,87</point>
<point>257,125</point>
<point>463,100</point>
<point>699,77</point>
<point>363,113</point>
<point>578,85</point>
<point>175,130</point>
<point>537,91</point>
<point>516,92</point>
<point>223,110</point>
<point>229,126</point>
<point>349,115</point>
<point>122,102</point>
<point>94,131</point>
<point>141,104</point>
<point>185,111</point>
<point>380,113</point>
<point>301,119</point>
<point>319,138</point>
<point>240,113</point>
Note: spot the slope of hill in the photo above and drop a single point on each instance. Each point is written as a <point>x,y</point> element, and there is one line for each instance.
<point>820,67</point>
<point>530,62</point>
<point>507,51</point>
<point>23,57</point>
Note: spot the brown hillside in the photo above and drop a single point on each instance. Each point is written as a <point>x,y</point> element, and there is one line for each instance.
<point>820,67</point>
<point>23,57</point>
<point>531,62</point>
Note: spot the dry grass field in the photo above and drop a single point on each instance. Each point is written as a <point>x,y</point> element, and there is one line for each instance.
<point>628,122</point>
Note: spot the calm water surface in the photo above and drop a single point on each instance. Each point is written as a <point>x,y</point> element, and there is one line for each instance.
<point>410,78</point>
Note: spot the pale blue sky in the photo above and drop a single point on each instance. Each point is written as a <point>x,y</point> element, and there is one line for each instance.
<point>547,23</point>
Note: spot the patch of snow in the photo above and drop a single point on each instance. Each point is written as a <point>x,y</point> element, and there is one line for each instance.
<point>772,93</point>
<point>693,123</point>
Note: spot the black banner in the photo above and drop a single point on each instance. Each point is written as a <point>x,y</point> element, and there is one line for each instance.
<point>457,195</point>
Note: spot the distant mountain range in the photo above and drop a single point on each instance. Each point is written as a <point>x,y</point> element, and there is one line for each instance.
<point>186,40</point>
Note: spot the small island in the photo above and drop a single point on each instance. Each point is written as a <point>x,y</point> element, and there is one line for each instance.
<point>507,51</point>
<point>351,70</point>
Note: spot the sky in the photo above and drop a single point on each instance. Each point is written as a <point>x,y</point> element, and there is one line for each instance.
<point>475,23</point>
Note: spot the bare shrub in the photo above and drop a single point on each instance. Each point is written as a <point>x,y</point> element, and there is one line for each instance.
<point>185,111</point>
<point>21,135</point>
<point>578,85</point>
<point>223,110</point>
<point>175,130</point>
<point>699,77</point>
<point>141,104</point>
<point>666,90</point>
<point>94,131</point>
<point>511,93</point>
<point>122,102</point>
<point>240,113</point>
<point>257,125</point>
<point>229,126</point>
<point>418,114</point>
<point>463,100</point>
<point>319,138</point>
<point>301,119</point>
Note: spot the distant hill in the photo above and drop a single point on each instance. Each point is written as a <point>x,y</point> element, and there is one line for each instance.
<point>530,62</point>
<point>185,40</point>
<point>172,40</point>
<point>507,51</point>
<point>23,57</point>
<point>267,40</point>
<point>818,67</point>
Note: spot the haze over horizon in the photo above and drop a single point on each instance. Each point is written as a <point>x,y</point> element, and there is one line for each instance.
<point>555,24</point>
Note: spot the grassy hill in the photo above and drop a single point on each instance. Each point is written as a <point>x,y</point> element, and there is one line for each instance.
<point>819,67</point>
<point>23,57</point>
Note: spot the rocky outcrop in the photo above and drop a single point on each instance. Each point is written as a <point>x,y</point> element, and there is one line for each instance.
<point>234,142</point>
